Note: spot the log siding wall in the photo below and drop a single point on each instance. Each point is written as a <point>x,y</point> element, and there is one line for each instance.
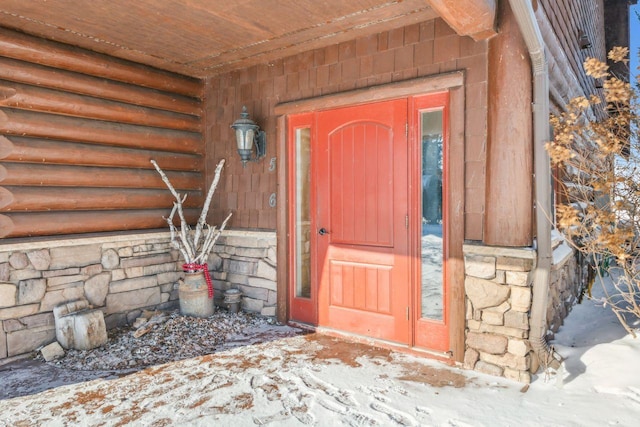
<point>77,131</point>
<point>561,23</point>
<point>419,50</point>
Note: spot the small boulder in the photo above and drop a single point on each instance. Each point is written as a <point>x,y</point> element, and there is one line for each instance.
<point>52,351</point>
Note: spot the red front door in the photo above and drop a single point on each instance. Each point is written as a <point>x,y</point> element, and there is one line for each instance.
<point>362,270</point>
<point>368,220</point>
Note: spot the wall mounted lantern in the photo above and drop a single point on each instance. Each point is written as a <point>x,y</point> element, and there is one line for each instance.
<point>583,40</point>
<point>248,134</point>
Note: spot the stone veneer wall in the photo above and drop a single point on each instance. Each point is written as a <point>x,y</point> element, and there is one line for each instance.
<point>498,285</point>
<point>120,274</point>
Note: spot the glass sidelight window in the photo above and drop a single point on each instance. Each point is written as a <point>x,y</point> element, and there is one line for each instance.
<point>432,249</point>
<point>302,212</point>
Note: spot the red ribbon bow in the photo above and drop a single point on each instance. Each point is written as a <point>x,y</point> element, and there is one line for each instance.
<point>193,267</point>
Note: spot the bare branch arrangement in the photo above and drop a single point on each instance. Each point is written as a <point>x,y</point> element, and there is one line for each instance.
<point>194,246</point>
<point>599,204</point>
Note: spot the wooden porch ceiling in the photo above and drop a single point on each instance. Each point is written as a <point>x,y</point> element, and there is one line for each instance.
<point>205,37</point>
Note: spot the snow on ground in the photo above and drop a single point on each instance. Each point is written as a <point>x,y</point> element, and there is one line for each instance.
<point>318,380</point>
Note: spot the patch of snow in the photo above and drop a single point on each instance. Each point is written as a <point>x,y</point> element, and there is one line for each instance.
<point>314,380</point>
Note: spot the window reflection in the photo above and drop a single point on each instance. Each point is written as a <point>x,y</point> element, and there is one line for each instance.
<point>432,250</point>
<point>302,213</point>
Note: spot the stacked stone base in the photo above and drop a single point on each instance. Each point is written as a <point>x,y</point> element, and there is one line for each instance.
<point>498,288</point>
<point>120,275</point>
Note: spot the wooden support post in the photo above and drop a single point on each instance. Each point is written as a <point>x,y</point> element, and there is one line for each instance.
<point>509,185</point>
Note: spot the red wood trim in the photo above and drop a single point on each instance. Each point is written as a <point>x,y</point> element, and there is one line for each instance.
<point>455,270</point>
<point>282,221</point>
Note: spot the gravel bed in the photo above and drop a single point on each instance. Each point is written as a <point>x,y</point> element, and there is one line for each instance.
<point>171,336</point>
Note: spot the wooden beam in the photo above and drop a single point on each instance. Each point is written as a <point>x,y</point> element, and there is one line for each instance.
<point>26,123</point>
<point>381,92</point>
<point>475,18</point>
<point>20,149</point>
<point>52,54</point>
<point>68,81</point>
<point>32,98</point>
<point>47,199</point>
<point>508,219</point>
<point>37,175</point>
<point>56,223</point>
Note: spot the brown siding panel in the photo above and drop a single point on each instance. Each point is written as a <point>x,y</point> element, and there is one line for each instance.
<point>77,133</point>
<point>389,56</point>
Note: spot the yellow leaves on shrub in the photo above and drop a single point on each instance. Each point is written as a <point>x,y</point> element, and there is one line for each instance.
<point>558,153</point>
<point>619,54</point>
<point>615,90</point>
<point>567,218</point>
<point>595,68</point>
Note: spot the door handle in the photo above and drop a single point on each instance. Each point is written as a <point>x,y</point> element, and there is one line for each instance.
<point>323,231</point>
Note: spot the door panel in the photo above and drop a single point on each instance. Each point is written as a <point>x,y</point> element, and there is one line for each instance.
<point>429,173</point>
<point>363,267</point>
<point>303,303</point>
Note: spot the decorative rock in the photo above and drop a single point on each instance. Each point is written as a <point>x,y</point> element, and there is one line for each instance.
<point>26,274</point>
<point>253,305</point>
<point>214,262</point>
<point>133,284</point>
<point>110,259</point>
<point>89,329</point>
<point>514,264</point>
<point>27,340</point>
<point>484,293</point>
<point>74,256</point>
<point>64,272</point>
<point>18,311</point>
<point>30,291</point>
<point>255,293</point>
<point>96,288</point>
<point>515,375</point>
<point>487,343</point>
<point>488,368</point>
<point>18,260</point>
<point>3,342</point>
<point>53,298</point>
<point>518,278</point>
<point>257,282</point>
<point>4,271</point>
<point>61,281</point>
<point>492,317</point>
<point>127,301</point>
<point>483,267</point>
<point>521,299</point>
<point>518,347</point>
<point>246,268</point>
<point>516,319</point>
<point>266,271</point>
<point>268,311</point>
<point>504,330</point>
<point>52,351</point>
<point>471,356</point>
<point>7,295</point>
<point>142,261</point>
<point>79,327</point>
<point>40,259</point>
<point>507,360</point>
<point>91,270</point>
